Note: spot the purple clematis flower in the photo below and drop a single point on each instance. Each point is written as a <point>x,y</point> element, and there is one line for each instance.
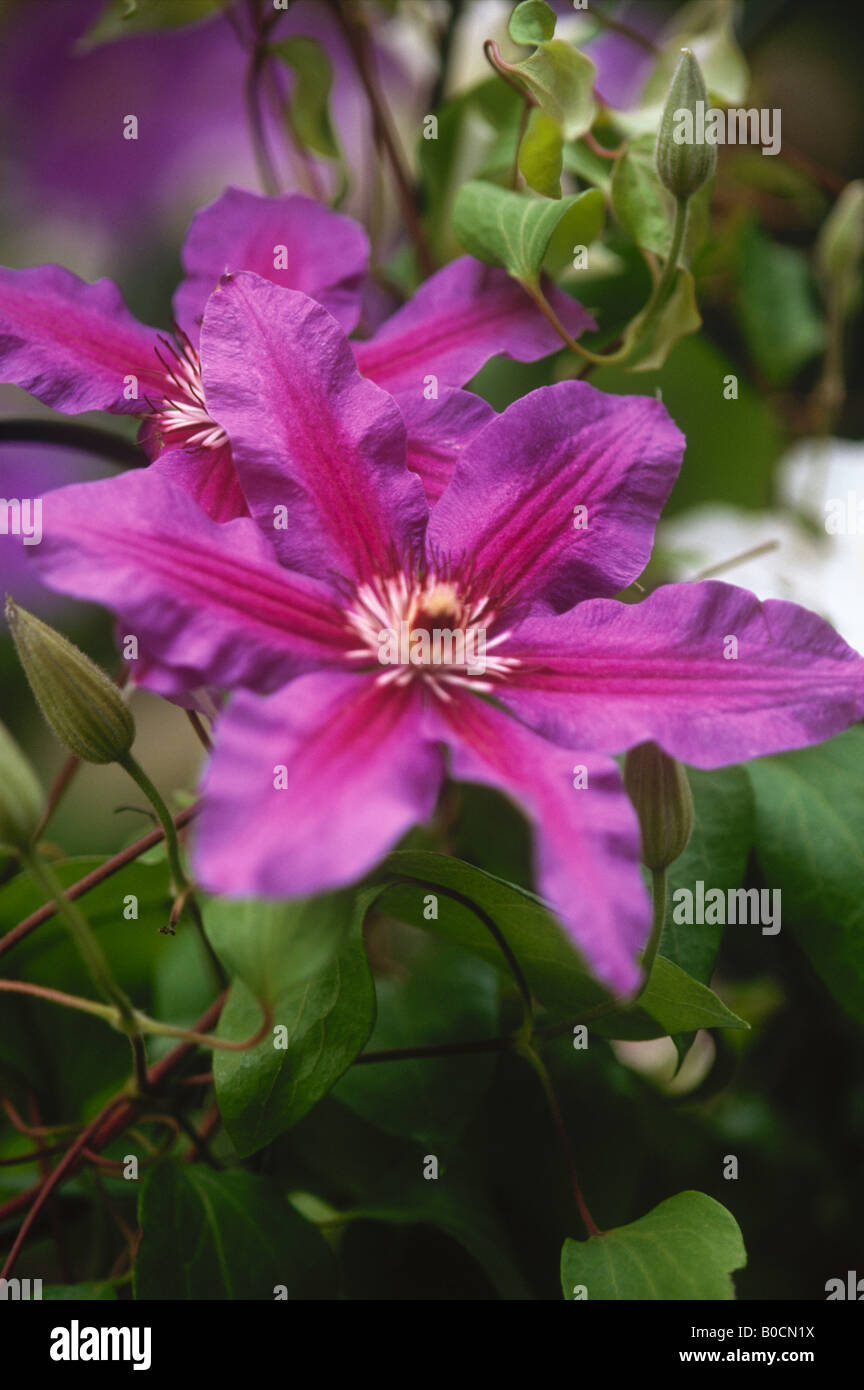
<point>330,750</point>
<point>76,346</point>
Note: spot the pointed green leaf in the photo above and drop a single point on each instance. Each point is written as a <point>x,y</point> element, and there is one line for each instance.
<point>678,317</point>
<point>120,18</point>
<point>509,229</point>
<point>687,1247</point>
<point>672,1002</point>
<point>320,1025</point>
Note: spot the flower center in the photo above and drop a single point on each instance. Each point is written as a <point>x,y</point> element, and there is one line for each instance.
<point>426,629</point>
<point>182,416</point>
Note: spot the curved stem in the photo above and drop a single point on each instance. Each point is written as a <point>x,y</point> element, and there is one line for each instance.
<point>131,765</point>
<point>95,960</point>
<point>356,36</point>
<point>646,318</point>
<point>89,881</point>
<point>136,1020</point>
<point>183,892</point>
<point>493,929</point>
<point>658,891</point>
<point>558,1120</point>
<point>47,1186</point>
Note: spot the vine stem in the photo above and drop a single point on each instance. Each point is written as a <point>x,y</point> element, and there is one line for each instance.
<point>357,40</point>
<point>57,792</point>
<point>647,316</point>
<point>658,894</point>
<point>46,1187</point>
<point>183,892</point>
<point>493,929</point>
<point>258,59</point>
<point>141,1022</point>
<point>95,960</point>
<point>92,880</point>
<point>540,1068</point>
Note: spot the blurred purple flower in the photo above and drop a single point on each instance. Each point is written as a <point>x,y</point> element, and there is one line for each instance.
<point>327,756</point>
<point>623,63</point>
<point>76,347</point>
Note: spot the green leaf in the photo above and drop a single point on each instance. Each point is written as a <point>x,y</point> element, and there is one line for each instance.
<point>533,21</point>
<point>509,229</point>
<point>540,154</point>
<point>810,845</point>
<point>477,131</point>
<point>440,995</point>
<point>723,832</point>
<point>646,210</point>
<point>677,1002</point>
<point>638,199</point>
<point>327,1019</point>
<point>678,317</point>
<point>687,1247</point>
<point>776,307</point>
<point>309,107</point>
<point>274,946</point>
<point>225,1235</point>
<point>561,80</point>
<point>120,18</point>
<point>552,967</point>
<point>672,1002</point>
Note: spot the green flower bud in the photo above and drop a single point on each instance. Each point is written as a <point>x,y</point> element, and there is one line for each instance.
<point>21,797</point>
<point>658,787</point>
<point>83,706</point>
<point>840,247</point>
<point>684,160</point>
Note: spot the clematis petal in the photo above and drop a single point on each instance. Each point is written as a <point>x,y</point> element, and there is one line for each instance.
<point>309,787</point>
<point>208,476</point>
<point>307,433</point>
<point>586,840</point>
<point>73,345</point>
<point>291,240</point>
<point>704,670</point>
<point>462,316</point>
<point>208,600</point>
<point>557,499</point>
<point>438,431</point>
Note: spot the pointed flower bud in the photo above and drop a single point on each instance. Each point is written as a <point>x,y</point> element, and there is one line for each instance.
<point>20,794</point>
<point>658,787</point>
<point>83,706</point>
<point>840,247</point>
<point>684,160</point>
